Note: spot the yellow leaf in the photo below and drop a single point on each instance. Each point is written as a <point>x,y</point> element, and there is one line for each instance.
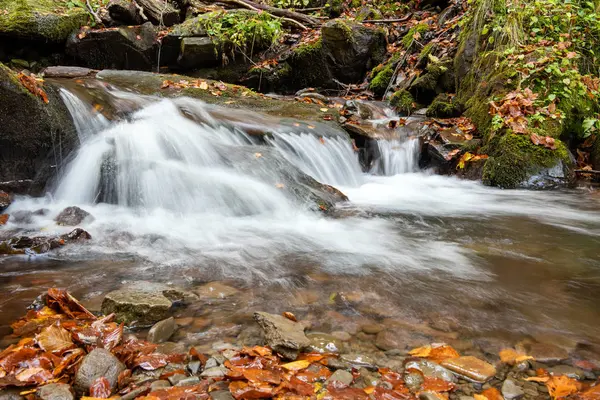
<point>324,109</point>
<point>468,136</point>
<point>280,186</point>
<point>203,85</point>
<point>296,365</point>
<point>54,339</point>
<point>511,356</point>
<point>562,386</point>
<point>257,155</point>
<point>538,379</point>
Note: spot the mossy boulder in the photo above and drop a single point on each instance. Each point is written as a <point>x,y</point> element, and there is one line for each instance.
<point>444,106</point>
<point>437,78</point>
<point>33,133</point>
<point>515,162</point>
<point>118,48</point>
<point>50,20</point>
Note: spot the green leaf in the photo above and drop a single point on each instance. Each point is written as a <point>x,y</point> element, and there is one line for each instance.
<point>589,124</point>
<point>552,97</point>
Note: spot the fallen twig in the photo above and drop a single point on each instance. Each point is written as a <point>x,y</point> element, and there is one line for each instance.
<point>94,13</point>
<point>387,21</point>
<point>300,20</point>
<point>587,171</point>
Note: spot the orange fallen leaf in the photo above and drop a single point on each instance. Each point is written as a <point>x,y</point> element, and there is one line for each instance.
<point>489,394</point>
<point>436,352</point>
<point>287,314</point>
<point>54,339</point>
<point>562,386</point>
<point>4,219</point>
<point>203,85</point>
<point>296,365</point>
<point>511,356</point>
<point>322,140</point>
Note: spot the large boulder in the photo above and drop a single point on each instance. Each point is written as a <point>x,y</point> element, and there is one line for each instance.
<point>130,48</point>
<point>47,20</point>
<point>33,134</point>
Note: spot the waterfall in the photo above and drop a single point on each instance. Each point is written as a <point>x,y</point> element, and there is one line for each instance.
<point>87,121</point>
<point>329,160</point>
<point>397,157</point>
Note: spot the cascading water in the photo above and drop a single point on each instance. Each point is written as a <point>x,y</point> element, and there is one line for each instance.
<point>397,157</point>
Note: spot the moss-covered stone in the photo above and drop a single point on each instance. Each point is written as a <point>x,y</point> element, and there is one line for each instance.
<point>49,20</point>
<point>32,133</point>
<point>443,106</point>
<point>516,162</point>
<point>381,80</point>
<point>403,101</point>
<point>407,40</point>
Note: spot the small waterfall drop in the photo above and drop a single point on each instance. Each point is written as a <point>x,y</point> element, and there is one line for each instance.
<point>86,120</point>
<point>397,157</point>
<point>329,160</point>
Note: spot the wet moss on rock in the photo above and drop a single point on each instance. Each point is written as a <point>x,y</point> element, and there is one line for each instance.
<point>443,106</point>
<point>403,101</point>
<point>50,20</point>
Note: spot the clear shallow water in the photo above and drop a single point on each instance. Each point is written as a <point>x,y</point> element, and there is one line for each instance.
<point>412,246</point>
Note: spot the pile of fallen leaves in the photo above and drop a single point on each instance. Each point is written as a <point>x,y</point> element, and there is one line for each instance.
<point>60,332</point>
<point>514,109</point>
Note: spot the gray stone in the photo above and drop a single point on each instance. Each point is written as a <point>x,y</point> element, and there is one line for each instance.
<point>72,216</point>
<point>171,348</point>
<point>567,370</point>
<point>162,331</point>
<point>358,360</point>
<point>283,335</point>
<point>11,394</point>
<point>56,391</point>
<point>372,329</point>
<point>194,367</point>
<point>413,381</point>
<point>135,393</point>
<point>510,390</point>
<point>428,396</point>
<point>98,363</point>
<point>341,376</point>
<point>324,343</point>
<point>175,379</point>
<point>215,372</point>
<point>161,384</point>
<point>431,370</point>
<point>190,381</point>
<point>367,378</point>
<point>211,363</point>
<point>221,395</point>
<point>398,339</point>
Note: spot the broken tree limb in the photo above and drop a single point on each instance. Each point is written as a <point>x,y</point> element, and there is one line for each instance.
<point>94,13</point>
<point>301,19</point>
<point>159,12</point>
<point>387,21</point>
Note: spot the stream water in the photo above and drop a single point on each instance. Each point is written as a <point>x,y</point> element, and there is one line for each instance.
<point>172,202</point>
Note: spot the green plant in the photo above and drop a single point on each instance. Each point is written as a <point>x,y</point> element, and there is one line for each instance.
<point>291,3</point>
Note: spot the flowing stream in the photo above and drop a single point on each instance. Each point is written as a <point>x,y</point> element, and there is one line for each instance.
<point>181,194</point>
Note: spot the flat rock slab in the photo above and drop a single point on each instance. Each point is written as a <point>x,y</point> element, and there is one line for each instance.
<point>97,364</point>
<point>431,370</point>
<point>283,335</point>
<point>162,331</point>
<point>547,353</point>
<point>471,368</point>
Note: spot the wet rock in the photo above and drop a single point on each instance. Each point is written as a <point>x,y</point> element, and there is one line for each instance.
<point>341,376</point>
<point>413,381</point>
<point>283,335</point>
<point>341,335</point>
<point>216,290</point>
<point>76,234</point>
<point>470,368</point>
<point>194,367</point>
<point>162,331</point>
<point>11,394</point>
<point>357,360</point>
<point>367,378</point>
<point>428,396</point>
<point>546,352</point>
<point>431,370</point>
<point>221,395</point>
<point>72,216</point>
<point>214,372</point>
<point>171,348</point>
<point>372,329</point>
<point>5,200</point>
<point>398,339</point>
<point>197,52</point>
<point>67,72</point>
<point>324,343</point>
<point>137,307</point>
<point>510,390</point>
<point>98,363</point>
<point>191,381</point>
<point>22,217</point>
<point>115,48</point>
<point>124,12</point>
<point>160,384</point>
<point>175,379</point>
<point>567,370</point>
<point>25,147</point>
<point>56,391</point>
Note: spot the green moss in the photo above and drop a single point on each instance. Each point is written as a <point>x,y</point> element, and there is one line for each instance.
<point>381,81</point>
<point>514,159</point>
<point>46,19</point>
<point>335,8</point>
<point>443,106</point>
<point>425,53</point>
<point>403,101</point>
<point>407,40</point>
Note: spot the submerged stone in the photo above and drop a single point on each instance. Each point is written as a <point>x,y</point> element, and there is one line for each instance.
<point>283,335</point>
<point>162,331</point>
<point>471,368</point>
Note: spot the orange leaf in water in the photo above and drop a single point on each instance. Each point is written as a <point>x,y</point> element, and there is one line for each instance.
<point>300,387</point>
<point>489,394</point>
<point>435,352</point>
<point>262,375</point>
<point>296,365</point>
<point>34,375</point>
<point>290,316</point>
<point>381,393</point>
<point>437,385</point>
<point>511,356</point>
<point>562,386</point>
<point>68,304</point>
<point>54,339</point>
<point>592,393</point>
<point>242,390</point>
<point>100,388</point>
<point>322,140</point>
<point>3,219</point>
